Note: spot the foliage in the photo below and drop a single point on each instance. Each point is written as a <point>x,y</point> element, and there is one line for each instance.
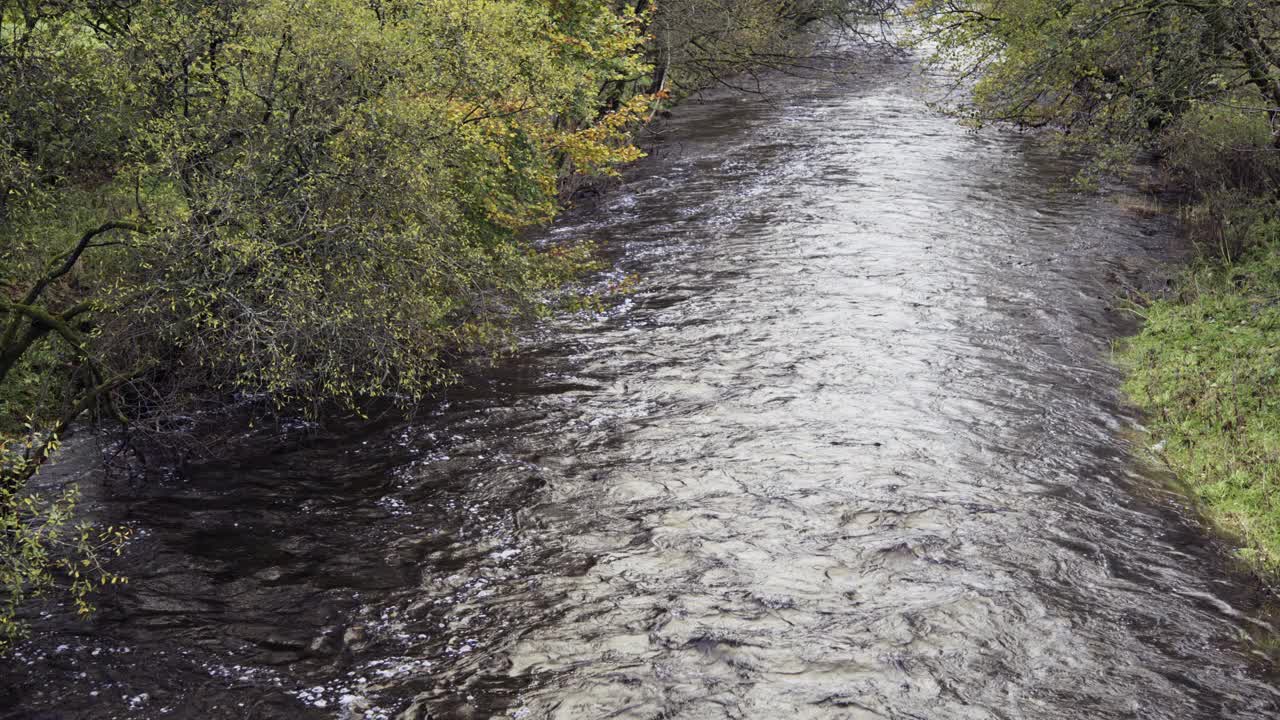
<point>307,200</point>
<point>41,543</point>
<point>1213,149</point>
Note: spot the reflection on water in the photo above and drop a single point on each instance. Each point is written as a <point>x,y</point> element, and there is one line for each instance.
<point>854,450</point>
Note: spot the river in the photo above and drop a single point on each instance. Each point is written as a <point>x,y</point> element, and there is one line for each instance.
<point>854,448</point>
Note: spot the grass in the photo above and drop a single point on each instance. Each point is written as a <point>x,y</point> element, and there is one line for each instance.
<point>1206,369</point>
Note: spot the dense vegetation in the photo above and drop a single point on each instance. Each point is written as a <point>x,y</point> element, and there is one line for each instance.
<point>302,203</point>
<point>1197,84</point>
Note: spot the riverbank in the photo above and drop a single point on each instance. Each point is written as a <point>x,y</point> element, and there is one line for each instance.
<point>1205,369</point>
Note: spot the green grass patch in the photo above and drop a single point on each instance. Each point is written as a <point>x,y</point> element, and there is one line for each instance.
<point>1206,369</point>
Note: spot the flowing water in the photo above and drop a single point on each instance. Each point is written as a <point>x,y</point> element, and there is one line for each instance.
<point>853,449</point>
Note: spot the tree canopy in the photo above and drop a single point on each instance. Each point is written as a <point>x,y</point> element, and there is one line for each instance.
<point>303,199</point>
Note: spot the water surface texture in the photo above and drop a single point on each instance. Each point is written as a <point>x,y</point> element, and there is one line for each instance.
<point>854,449</point>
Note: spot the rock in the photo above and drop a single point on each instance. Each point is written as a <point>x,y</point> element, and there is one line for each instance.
<point>355,638</point>
<point>353,707</point>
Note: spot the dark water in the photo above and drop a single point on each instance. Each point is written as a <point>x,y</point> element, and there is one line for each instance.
<point>853,450</point>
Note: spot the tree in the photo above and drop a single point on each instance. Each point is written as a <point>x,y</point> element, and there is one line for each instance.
<point>309,200</point>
